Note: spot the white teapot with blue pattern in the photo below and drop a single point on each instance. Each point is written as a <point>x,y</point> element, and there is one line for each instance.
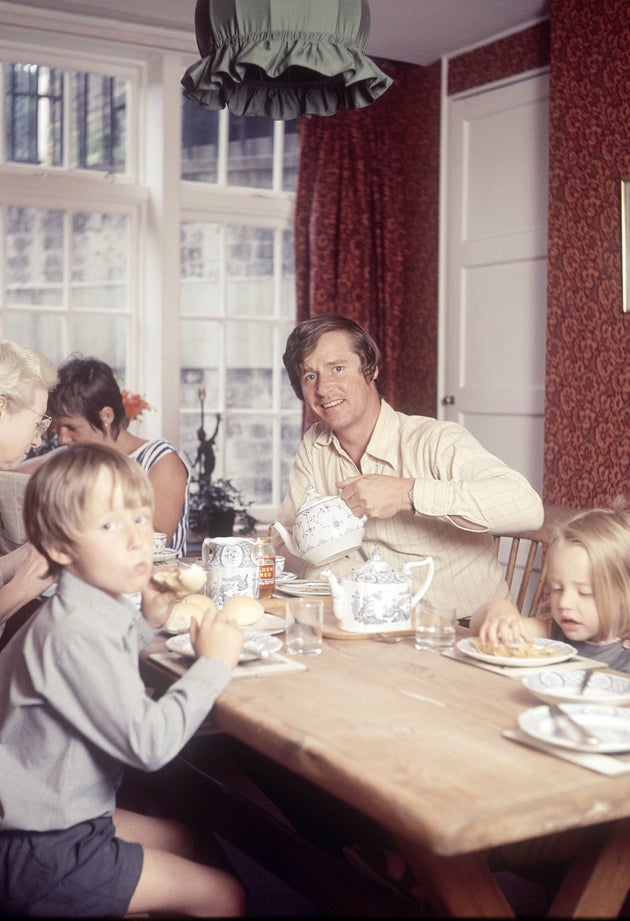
<point>375,598</point>
<point>324,530</point>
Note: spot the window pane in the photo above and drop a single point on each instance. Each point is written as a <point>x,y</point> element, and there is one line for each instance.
<point>99,122</point>
<point>291,435</point>
<point>249,363</point>
<point>35,118</point>
<point>34,114</point>
<point>201,349</point>
<point>290,163</point>
<point>100,261</point>
<point>287,302</point>
<point>34,270</point>
<point>249,456</point>
<point>201,254</point>
<point>250,151</point>
<point>288,399</point>
<point>200,142</point>
<point>249,271</point>
<point>103,337</point>
<point>43,331</point>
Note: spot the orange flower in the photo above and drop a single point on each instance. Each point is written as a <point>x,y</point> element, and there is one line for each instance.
<point>134,404</point>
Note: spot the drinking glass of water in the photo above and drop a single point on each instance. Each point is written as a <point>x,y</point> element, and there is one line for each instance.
<point>434,627</point>
<point>305,622</point>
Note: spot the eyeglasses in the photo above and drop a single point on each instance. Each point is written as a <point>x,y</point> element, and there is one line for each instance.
<point>42,426</point>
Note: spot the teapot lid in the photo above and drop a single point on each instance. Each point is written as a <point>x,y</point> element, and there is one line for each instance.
<point>312,496</point>
<point>377,570</point>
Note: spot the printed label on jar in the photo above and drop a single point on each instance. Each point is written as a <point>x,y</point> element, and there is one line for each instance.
<point>266,577</point>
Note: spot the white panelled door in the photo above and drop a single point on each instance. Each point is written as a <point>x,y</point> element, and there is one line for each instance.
<point>493,315</point>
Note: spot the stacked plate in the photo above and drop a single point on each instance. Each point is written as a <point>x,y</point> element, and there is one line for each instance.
<point>164,556</point>
<point>303,588</point>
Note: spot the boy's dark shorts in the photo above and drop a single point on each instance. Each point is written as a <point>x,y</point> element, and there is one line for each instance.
<point>83,871</point>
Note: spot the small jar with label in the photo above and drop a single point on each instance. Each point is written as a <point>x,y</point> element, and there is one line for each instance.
<point>265,556</point>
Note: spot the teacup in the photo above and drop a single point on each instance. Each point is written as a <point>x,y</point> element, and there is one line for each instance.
<point>279,566</point>
<point>159,542</point>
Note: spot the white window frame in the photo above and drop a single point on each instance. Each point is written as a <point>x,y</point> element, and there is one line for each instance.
<point>151,192</point>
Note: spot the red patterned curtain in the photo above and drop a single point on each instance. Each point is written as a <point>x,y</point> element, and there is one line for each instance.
<point>366,227</point>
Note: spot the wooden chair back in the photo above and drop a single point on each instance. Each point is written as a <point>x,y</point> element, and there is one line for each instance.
<point>527,557</point>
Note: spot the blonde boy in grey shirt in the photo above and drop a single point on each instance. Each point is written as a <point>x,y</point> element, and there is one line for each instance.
<point>73,709</point>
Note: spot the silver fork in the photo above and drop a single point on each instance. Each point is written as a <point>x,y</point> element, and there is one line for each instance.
<point>558,713</point>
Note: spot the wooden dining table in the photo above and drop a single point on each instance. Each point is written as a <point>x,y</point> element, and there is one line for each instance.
<point>413,740</point>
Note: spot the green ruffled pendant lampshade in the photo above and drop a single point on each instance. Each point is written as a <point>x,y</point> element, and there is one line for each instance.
<point>283,58</point>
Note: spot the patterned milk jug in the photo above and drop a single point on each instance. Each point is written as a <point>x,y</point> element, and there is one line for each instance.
<point>232,568</point>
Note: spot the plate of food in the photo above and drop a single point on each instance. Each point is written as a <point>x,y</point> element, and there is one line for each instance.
<point>255,646</point>
<point>247,612</point>
<point>539,652</point>
<point>565,687</point>
<point>610,726</point>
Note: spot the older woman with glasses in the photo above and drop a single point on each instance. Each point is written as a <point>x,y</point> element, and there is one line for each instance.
<point>26,377</point>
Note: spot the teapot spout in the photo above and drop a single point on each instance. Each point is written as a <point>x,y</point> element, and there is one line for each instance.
<point>286,538</point>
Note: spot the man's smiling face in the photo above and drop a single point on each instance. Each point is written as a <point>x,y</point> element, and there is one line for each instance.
<point>334,386</point>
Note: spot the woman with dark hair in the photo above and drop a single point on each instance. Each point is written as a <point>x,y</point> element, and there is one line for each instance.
<point>87,407</point>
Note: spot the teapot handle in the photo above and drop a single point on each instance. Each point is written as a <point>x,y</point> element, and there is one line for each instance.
<point>428,562</point>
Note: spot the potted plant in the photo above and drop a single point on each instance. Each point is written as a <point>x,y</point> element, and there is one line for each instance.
<point>217,507</point>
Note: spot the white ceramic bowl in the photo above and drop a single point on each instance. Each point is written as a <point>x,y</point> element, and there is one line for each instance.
<point>564,687</point>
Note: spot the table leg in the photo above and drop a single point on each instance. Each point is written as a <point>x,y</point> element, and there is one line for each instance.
<point>460,887</point>
<point>597,880</point>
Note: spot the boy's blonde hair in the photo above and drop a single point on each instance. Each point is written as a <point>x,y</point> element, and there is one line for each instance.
<point>605,536</point>
<point>22,371</point>
<point>57,493</point>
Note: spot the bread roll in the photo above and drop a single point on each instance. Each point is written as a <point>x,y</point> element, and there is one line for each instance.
<point>194,606</point>
<point>243,610</point>
<point>202,601</point>
<point>182,580</point>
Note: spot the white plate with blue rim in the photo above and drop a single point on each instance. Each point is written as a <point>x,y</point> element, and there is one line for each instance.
<point>255,646</point>
<point>564,687</point>
<point>611,725</point>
